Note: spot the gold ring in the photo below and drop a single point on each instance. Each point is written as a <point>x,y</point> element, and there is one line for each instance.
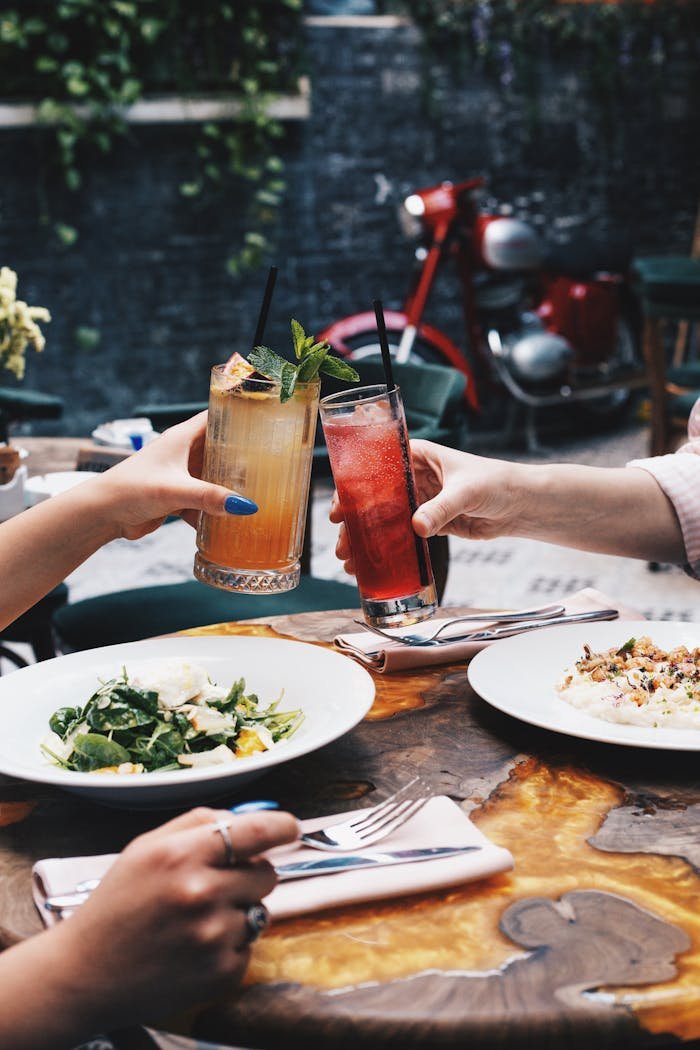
<point>222,826</point>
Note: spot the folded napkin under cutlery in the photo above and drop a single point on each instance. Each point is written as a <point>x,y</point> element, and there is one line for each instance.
<point>389,656</point>
<point>441,823</point>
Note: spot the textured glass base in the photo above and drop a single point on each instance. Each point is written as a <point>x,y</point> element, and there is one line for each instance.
<point>246,581</point>
<point>401,612</point>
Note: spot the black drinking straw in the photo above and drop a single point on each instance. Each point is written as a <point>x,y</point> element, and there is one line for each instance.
<point>265,306</point>
<point>425,575</point>
<point>384,344</point>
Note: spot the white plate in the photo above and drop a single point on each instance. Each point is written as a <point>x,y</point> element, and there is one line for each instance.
<point>518,676</point>
<point>42,486</point>
<point>333,691</point>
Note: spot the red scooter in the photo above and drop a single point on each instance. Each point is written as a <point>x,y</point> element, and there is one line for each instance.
<point>544,328</point>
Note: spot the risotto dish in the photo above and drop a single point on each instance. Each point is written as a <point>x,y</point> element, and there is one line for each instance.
<point>637,684</point>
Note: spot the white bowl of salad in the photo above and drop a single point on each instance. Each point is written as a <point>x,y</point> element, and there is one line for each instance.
<point>175,720</point>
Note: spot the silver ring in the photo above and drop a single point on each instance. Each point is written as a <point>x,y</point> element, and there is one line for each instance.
<point>257,919</point>
<point>222,826</point>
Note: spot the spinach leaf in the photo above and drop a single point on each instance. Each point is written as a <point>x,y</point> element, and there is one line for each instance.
<point>93,751</point>
<point>247,706</point>
<point>160,748</point>
<point>63,720</point>
<point>227,704</point>
<point>146,699</point>
<point>117,716</point>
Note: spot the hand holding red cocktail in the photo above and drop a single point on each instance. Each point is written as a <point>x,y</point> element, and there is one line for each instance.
<point>370,458</point>
<point>365,432</point>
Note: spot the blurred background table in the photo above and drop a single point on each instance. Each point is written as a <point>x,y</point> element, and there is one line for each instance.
<point>47,455</point>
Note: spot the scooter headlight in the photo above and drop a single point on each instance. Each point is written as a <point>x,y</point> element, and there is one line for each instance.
<point>410,215</point>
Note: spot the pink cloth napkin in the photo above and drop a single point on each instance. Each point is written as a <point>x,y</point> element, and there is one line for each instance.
<point>441,822</point>
<point>383,656</point>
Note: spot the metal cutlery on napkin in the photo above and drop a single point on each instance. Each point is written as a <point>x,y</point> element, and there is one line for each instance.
<point>507,630</point>
<point>540,612</point>
<point>300,869</point>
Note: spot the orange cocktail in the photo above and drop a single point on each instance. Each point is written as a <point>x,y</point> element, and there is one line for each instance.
<point>260,448</point>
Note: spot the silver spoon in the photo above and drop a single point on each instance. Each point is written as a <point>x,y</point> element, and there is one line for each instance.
<point>544,612</point>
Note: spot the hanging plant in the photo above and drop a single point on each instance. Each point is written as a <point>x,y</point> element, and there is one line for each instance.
<point>86,61</point>
<point>614,46</point>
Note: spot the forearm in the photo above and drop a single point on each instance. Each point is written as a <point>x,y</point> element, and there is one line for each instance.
<point>42,1003</point>
<point>621,511</point>
<point>41,546</point>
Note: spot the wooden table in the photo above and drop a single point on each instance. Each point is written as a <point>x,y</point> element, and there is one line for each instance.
<point>593,938</point>
<point>50,454</point>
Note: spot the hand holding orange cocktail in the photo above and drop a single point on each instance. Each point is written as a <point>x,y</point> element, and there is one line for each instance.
<point>260,439</point>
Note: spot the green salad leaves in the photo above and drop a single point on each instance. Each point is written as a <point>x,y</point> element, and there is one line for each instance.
<point>122,725</point>
<point>312,357</point>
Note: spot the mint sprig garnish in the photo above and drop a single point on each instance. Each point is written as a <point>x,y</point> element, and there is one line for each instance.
<point>312,357</point>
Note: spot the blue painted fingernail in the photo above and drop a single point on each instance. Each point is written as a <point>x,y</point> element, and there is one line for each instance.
<point>239,505</point>
<point>251,807</point>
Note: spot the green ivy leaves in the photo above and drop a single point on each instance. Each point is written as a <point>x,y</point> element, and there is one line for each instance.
<point>85,61</point>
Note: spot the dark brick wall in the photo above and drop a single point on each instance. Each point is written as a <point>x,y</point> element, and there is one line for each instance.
<point>149,269</point>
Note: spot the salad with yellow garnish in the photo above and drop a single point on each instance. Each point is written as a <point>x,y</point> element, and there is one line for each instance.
<point>163,715</point>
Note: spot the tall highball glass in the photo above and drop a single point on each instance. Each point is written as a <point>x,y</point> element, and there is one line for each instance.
<point>261,448</point>
<point>367,439</point>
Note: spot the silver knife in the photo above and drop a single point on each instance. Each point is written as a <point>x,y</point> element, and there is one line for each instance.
<point>351,861</point>
<point>301,869</point>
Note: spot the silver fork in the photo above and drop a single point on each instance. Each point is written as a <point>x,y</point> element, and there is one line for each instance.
<point>544,612</point>
<point>376,824</point>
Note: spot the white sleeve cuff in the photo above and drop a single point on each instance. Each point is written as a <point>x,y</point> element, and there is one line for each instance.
<point>678,475</point>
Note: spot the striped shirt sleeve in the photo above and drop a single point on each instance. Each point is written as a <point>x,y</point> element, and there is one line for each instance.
<point>678,474</point>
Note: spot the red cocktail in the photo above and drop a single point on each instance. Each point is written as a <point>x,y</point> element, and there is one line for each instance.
<point>365,431</point>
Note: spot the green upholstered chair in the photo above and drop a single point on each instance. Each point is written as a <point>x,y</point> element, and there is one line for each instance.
<point>34,628</point>
<point>433,398</point>
<point>669,289</point>
<point>143,612</point>
<point>164,416</point>
<point>19,405</point>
